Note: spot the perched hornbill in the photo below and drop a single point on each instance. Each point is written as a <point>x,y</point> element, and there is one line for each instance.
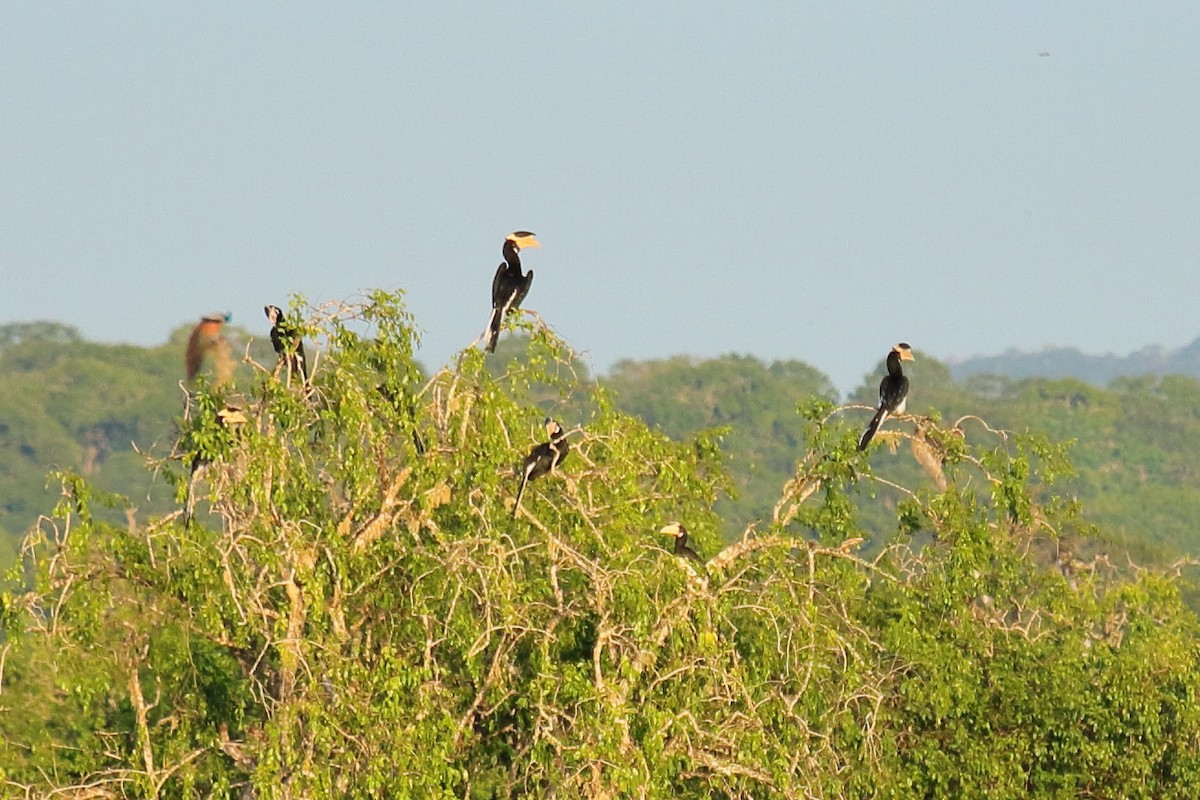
<point>510,286</point>
<point>205,338</point>
<point>893,392</point>
<point>229,417</point>
<point>681,546</point>
<point>543,458</point>
<point>287,341</point>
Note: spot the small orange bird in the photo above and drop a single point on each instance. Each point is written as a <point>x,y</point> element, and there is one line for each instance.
<point>205,337</point>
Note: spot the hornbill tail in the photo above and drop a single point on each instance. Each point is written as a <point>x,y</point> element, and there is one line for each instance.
<point>872,429</point>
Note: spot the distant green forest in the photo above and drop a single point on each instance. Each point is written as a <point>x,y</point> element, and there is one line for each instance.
<point>82,407</point>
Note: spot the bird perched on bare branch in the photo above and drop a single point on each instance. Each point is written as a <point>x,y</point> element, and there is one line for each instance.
<point>543,458</point>
<point>510,285</point>
<point>681,537</point>
<point>206,339</point>
<point>893,392</point>
<point>287,341</point>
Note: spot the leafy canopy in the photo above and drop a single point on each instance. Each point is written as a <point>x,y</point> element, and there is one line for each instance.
<point>353,611</point>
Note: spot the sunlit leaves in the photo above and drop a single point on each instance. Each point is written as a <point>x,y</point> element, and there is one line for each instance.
<point>363,614</point>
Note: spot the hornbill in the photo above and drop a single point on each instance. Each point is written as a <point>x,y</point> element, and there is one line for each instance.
<point>206,336</point>
<point>543,458</point>
<point>681,546</point>
<point>510,286</point>
<point>229,417</point>
<point>893,392</point>
<point>286,339</point>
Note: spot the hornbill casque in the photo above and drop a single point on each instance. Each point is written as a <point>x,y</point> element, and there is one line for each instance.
<point>510,285</point>
<point>543,458</point>
<point>893,392</point>
<point>681,546</point>
<point>287,341</point>
<point>205,337</point>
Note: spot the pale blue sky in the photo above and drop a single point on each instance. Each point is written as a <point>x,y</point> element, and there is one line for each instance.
<point>791,180</point>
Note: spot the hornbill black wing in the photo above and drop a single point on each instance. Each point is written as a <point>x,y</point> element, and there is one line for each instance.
<point>289,345</point>
<point>498,305</point>
<point>893,395</point>
<point>537,464</point>
<point>521,492</point>
<point>301,360</point>
<point>497,282</point>
<point>506,295</point>
<point>522,290</point>
<point>682,549</point>
<point>871,430</point>
<point>542,460</point>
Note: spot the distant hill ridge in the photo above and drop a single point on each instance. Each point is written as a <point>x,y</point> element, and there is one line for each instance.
<point>1071,362</point>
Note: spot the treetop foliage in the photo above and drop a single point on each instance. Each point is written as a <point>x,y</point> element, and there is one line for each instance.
<point>352,611</point>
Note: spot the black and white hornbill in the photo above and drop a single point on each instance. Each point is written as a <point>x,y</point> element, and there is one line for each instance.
<point>204,339</point>
<point>230,418</point>
<point>543,458</point>
<point>287,341</point>
<point>510,285</point>
<point>893,392</point>
<point>681,546</point>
